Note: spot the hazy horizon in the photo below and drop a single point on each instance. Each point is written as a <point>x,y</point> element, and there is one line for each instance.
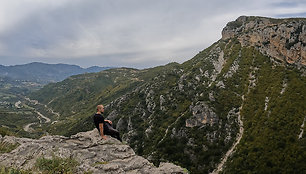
<point>57,64</point>
<point>132,33</point>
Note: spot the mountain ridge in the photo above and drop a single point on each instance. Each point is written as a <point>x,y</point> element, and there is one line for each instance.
<point>194,106</point>
<point>45,73</point>
<point>282,39</point>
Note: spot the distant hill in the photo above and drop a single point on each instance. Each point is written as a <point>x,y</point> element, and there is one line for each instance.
<point>45,73</point>
<point>237,106</point>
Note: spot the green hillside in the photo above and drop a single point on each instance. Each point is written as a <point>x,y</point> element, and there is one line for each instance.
<point>76,97</point>
<point>189,113</point>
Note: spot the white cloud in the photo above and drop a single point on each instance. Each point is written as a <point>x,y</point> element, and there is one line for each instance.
<point>2,48</point>
<point>14,11</point>
<point>121,33</point>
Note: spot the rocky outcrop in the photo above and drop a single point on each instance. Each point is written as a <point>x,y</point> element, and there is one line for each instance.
<point>201,115</point>
<point>92,153</point>
<point>283,39</point>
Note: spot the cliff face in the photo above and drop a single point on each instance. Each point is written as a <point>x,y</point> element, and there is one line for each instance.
<point>283,39</point>
<point>91,152</point>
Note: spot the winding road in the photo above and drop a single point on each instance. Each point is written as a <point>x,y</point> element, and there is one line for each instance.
<point>28,128</point>
<point>41,117</point>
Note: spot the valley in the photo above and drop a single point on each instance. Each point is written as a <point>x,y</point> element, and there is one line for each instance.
<point>21,117</point>
<point>238,106</point>
<point>219,112</point>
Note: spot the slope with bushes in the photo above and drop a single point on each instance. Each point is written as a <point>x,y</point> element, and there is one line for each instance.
<point>188,113</point>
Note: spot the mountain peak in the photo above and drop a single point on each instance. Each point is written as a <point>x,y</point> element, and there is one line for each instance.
<point>90,152</point>
<point>283,39</point>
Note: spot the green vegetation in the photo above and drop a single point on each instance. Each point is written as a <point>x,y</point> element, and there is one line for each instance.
<point>14,112</point>
<point>101,162</point>
<point>234,24</point>
<point>13,119</point>
<point>273,20</point>
<point>57,165</point>
<point>5,131</point>
<point>76,98</point>
<point>270,143</point>
<point>6,170</point>
<point>19,83</point>
<point>7,147</point>
<point>152,106</point>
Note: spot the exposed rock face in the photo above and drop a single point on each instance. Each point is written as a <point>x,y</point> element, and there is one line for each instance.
<point>233,69</point>
<point>92,153</point>
<point>217,57</point>
<point>283,39</point>
<point>150,101</point>
<point>202,115</point>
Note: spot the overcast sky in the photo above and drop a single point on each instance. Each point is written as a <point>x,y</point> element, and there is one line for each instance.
<point>130,33</point>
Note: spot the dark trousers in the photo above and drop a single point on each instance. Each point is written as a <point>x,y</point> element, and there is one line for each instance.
<point>109,130</point>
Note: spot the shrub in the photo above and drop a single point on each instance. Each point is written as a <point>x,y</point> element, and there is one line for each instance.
<point>6,170</point>
<point>7,147</point>
<point>56,165</point>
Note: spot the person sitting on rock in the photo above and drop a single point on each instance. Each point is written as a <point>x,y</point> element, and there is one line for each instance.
<point>104,126</point>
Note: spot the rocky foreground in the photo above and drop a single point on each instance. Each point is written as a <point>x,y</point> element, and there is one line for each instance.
<point>92,153</point>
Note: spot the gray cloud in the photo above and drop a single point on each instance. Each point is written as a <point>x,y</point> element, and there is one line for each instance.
<point>132,33</point>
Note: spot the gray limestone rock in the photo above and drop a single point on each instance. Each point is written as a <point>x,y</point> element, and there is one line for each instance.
<point>92,153</point>
<point>113,115</point>
<point>201,115</point>
<point>284,41</point>
<point>162,101</point>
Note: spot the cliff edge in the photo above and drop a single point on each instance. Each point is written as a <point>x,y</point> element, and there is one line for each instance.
<point>91,153</point>
<point>283,39</point>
